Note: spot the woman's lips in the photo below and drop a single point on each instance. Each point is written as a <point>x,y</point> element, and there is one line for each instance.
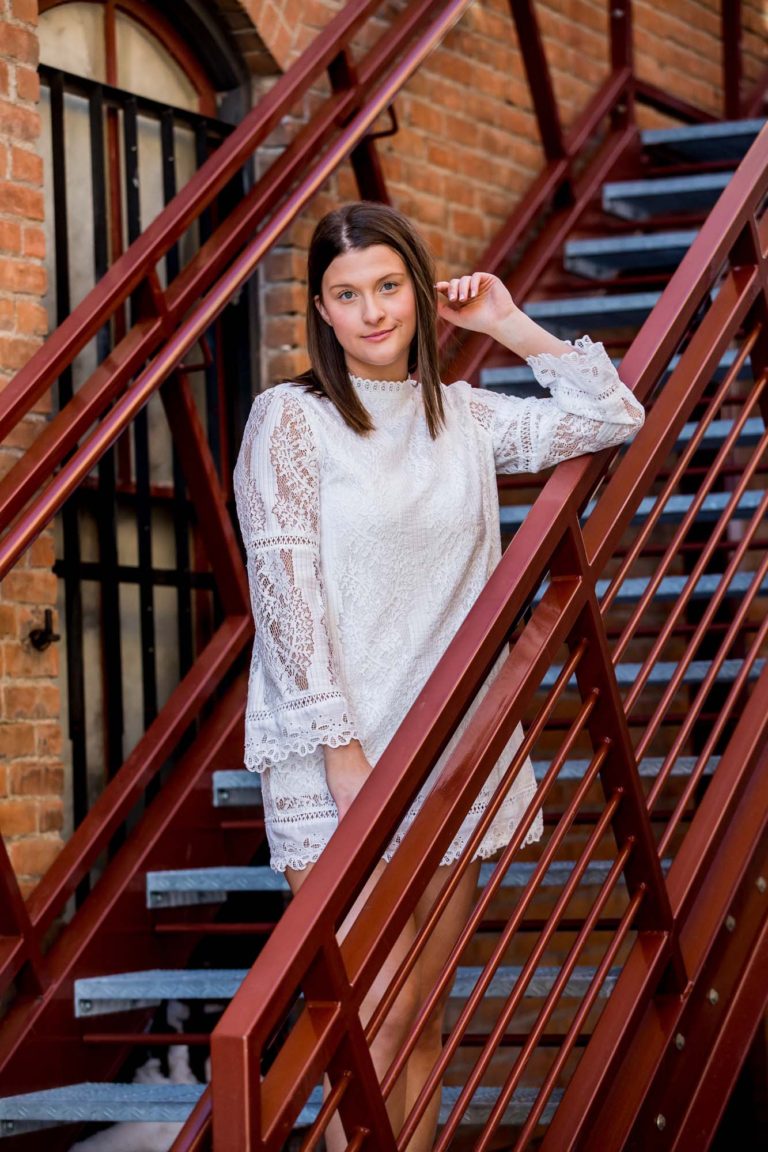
<point>377,336</point>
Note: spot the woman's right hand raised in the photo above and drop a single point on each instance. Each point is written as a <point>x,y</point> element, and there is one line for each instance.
<point>346,770</point>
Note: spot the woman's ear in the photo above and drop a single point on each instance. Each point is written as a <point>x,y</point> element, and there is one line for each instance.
<point>321,309</point>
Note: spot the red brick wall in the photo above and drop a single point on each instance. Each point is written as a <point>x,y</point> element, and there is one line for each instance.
<point>31,775</point>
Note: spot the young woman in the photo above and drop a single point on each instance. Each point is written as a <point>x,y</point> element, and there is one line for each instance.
<point>367,500</point>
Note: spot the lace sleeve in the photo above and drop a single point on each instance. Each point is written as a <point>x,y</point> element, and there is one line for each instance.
<point>294,700</point>
<point>590,409</point>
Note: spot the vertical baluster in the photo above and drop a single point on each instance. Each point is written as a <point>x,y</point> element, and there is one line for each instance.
<point>207,620</point>
<point>181,525</point>
<point>732,60</point>
<point>106,507</point>
<point>141,446</point>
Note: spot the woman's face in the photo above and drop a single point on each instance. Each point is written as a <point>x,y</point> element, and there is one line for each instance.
<point>368,299</point>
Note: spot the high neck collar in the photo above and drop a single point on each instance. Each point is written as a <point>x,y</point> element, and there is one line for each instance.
<point>389,394</point>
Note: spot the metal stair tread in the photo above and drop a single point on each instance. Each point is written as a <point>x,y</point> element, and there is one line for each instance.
<point>722,140</point>
<point>633,241</point>
<point>179,886</point>
<point>239,786</point>
<point>112,1103</point>
<point>127,991</point>
<point>74,1103</point>
<point>600,257</point>
<point>658,185</point>
<point>672,587</point>
<point>675,506</point>
<point>608,310</point>
<point>641,199</point>
<point>244,878</point>
<point>663,671</point>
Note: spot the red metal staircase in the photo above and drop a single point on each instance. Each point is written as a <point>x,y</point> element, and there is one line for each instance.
<point>635,596</point>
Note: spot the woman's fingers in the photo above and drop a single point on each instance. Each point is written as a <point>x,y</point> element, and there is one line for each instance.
<point>462,289</point>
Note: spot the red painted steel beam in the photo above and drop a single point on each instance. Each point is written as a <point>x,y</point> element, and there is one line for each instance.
<point>665,101</point>
<point>608,722</point>
<point>611,1038</point>
<point>660,336</point>
<point>739,763</point>
<point>539,79</point>
<point>715,1082</point>
<point>731,41</point>
<point>197,1133</point>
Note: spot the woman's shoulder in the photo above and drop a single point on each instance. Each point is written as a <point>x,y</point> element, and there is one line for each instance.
<point>466,401</point>
<point>276,399</point>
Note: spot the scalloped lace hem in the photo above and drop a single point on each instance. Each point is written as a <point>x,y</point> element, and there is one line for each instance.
<point>488,848</point>
<point>580,350</point>
<point>277,750</point>
<point>295,863</point>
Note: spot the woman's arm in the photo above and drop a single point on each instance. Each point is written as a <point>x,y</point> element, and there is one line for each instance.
<point>590,407</point>
<point>481,303</point>
<point>346,770</point>
<point>295,699</point>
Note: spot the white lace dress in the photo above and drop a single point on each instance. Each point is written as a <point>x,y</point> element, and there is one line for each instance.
<point>365,554</point>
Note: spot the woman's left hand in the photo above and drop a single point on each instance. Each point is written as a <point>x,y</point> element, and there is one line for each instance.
<point>479,302</point>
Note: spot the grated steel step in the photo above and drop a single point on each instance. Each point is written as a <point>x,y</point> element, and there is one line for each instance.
<point>184,886</point>
<point>602,257</point>
<point>126,991</point>
<point>664,670</point>
<point>727,140</point>
<point>172,1103</point>
<point>215,884</point>
<point>236,787</point>
<point>83,1103</point>
<point>511,516</point>
<point>574,315</point>
<point>518,379</point>
<point>672,587</point>
<point>667,195</point>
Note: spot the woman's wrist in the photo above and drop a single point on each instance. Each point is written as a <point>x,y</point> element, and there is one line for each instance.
<point>525,337</point>
<point>346,770</point>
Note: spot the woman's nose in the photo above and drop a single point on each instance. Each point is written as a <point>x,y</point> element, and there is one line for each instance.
<point>372,310</point>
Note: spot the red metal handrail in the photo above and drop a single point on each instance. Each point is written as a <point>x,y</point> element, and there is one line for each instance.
<point>302,952</point>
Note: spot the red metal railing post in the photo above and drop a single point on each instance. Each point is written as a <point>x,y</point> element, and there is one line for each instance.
<point>539,78</point>
<point>622,58</point>
<point>364,158</point>
<point>730,24</point>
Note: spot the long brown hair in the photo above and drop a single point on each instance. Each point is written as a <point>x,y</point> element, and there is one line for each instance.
<point>356,226</point>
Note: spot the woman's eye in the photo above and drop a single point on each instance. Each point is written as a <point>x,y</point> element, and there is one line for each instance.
<point>389,285</point>
<point>347,294</point>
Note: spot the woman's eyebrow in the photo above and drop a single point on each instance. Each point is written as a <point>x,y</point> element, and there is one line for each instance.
<point>388,276</point>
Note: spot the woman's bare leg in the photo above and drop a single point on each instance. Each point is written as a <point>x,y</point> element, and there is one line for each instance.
<point>431,961</point>
<point>390,1035</point>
